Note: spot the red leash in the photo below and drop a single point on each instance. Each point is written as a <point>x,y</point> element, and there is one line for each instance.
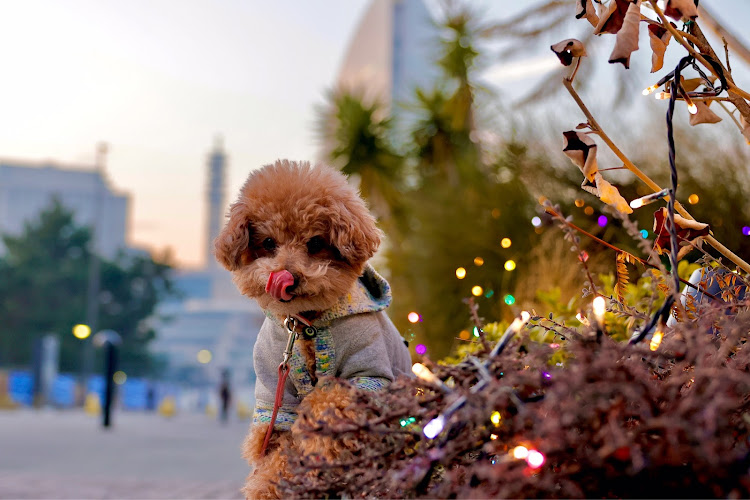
<point>291,326</point>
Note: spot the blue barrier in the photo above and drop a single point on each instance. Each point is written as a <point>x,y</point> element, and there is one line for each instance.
<point>21,387</point>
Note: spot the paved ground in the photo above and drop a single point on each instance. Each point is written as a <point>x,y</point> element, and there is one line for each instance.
<point>66,454</point>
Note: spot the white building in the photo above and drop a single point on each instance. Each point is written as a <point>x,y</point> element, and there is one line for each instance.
<point>392,52</point>
<point>211,314</point>
<point>27,188</point>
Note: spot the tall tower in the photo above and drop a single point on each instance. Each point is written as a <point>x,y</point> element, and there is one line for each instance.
<point>217,162</point>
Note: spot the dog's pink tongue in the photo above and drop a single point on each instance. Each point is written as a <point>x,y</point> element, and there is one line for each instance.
<point>278,282</point>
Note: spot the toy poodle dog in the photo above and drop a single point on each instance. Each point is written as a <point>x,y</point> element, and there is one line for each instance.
<point>298,241</point>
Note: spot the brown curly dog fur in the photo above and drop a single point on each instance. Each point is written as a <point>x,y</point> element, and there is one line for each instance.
<point>330,401</point>
<point>307,221</point>
<point>291,204</point>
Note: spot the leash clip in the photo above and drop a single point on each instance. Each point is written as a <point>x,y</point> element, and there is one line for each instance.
<point>290,323</point>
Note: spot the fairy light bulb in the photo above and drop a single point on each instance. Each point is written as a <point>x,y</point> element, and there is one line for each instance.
<point>520,452</point>
<point>600,307</point>
<point>477,290</point>
<point>460,273</point>
<point>650,90</point>
<point>434,427</point>
<point>519,322</point>
<point>535,459</point>
<point>662,96</point>
<point>692,108</point>
<point>424,373</point>
<point>656,339</point>
<point>649,198</point>
<point>495,418</point>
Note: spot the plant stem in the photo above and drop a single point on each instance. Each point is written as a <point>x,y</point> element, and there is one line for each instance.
<point>596,128</point>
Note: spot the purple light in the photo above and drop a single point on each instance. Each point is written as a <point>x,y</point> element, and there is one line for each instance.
<point>746,230</point>
<point>421,349</point>
<point>602,220</point>
<point>546,375</point>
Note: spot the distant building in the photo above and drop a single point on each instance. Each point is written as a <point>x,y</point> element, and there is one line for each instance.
<point>392,52</point>
<point>27,188</point>
<point>211,314</point>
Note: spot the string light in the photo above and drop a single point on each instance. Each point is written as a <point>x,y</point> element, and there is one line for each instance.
<point>746,230</point>
<point>478,261</point>
<point>535,459</point>
<point>650,90</point>
<point>495,418</point>
<point>644,233</point>
<point>600,307</point>
<point>692,108</point>
<point>509,299</point>
<point>693,199</point>
<point>580,203</point>
<point>662,96</point>
<point>510,265</point>
<point>656,339</point>
<point>460,273</point>
<point>506,243</point>
<point>407,421</point>
<point>602,220</point>
<point>477,290</point>
<point>464,335</point>
<point>649,198</point>
<point>588,210</point>
<point>493,436</point>
<point>424,373</point>
<point>536,221</point>
<point>434,427</point>
<point>420,349</point>
<point>520,452</point>
<point>413,317</point>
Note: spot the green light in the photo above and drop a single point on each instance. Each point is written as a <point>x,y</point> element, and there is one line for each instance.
<point>476,331</point>
<point>407,421</point>
<point>509,299</point>
<point>489,293</point>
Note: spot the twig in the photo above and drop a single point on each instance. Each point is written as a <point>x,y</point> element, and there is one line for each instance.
<point>731,86</point>
<point>596,128</point>
<point>731,115</point>
<point>552,212</point>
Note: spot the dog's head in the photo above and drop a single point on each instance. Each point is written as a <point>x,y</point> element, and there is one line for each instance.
<point>297,238</point>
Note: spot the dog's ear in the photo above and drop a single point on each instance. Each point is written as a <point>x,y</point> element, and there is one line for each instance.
<point>354,233</point>
<point>234,239</point>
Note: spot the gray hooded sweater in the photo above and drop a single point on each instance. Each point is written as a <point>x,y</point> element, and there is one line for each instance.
<point>355,341</point>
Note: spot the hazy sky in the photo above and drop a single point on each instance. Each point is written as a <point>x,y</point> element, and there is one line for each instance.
<point>158,80</point>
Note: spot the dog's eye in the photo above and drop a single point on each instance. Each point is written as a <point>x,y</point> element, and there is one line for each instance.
<point>315,245</point>
<point>269,245</point>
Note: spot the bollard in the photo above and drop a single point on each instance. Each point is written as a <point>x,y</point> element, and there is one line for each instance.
<point>109,340</point>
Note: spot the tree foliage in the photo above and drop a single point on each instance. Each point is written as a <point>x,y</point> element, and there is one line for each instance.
<point>43,287</point>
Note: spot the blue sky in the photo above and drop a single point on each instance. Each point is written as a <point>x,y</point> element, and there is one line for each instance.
<point>158,80</point>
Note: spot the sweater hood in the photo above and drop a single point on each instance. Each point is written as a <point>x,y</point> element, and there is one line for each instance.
<point>370,293</point>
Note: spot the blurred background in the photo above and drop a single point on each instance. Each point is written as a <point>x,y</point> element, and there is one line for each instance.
<point>128,128</point>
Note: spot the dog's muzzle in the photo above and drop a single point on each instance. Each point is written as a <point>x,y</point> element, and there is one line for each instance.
<point>280,284</point>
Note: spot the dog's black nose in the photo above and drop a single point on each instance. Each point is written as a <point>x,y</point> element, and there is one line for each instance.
<point>294,285</point>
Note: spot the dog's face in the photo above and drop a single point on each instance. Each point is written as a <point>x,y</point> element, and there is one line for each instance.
<point>297,238</point>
